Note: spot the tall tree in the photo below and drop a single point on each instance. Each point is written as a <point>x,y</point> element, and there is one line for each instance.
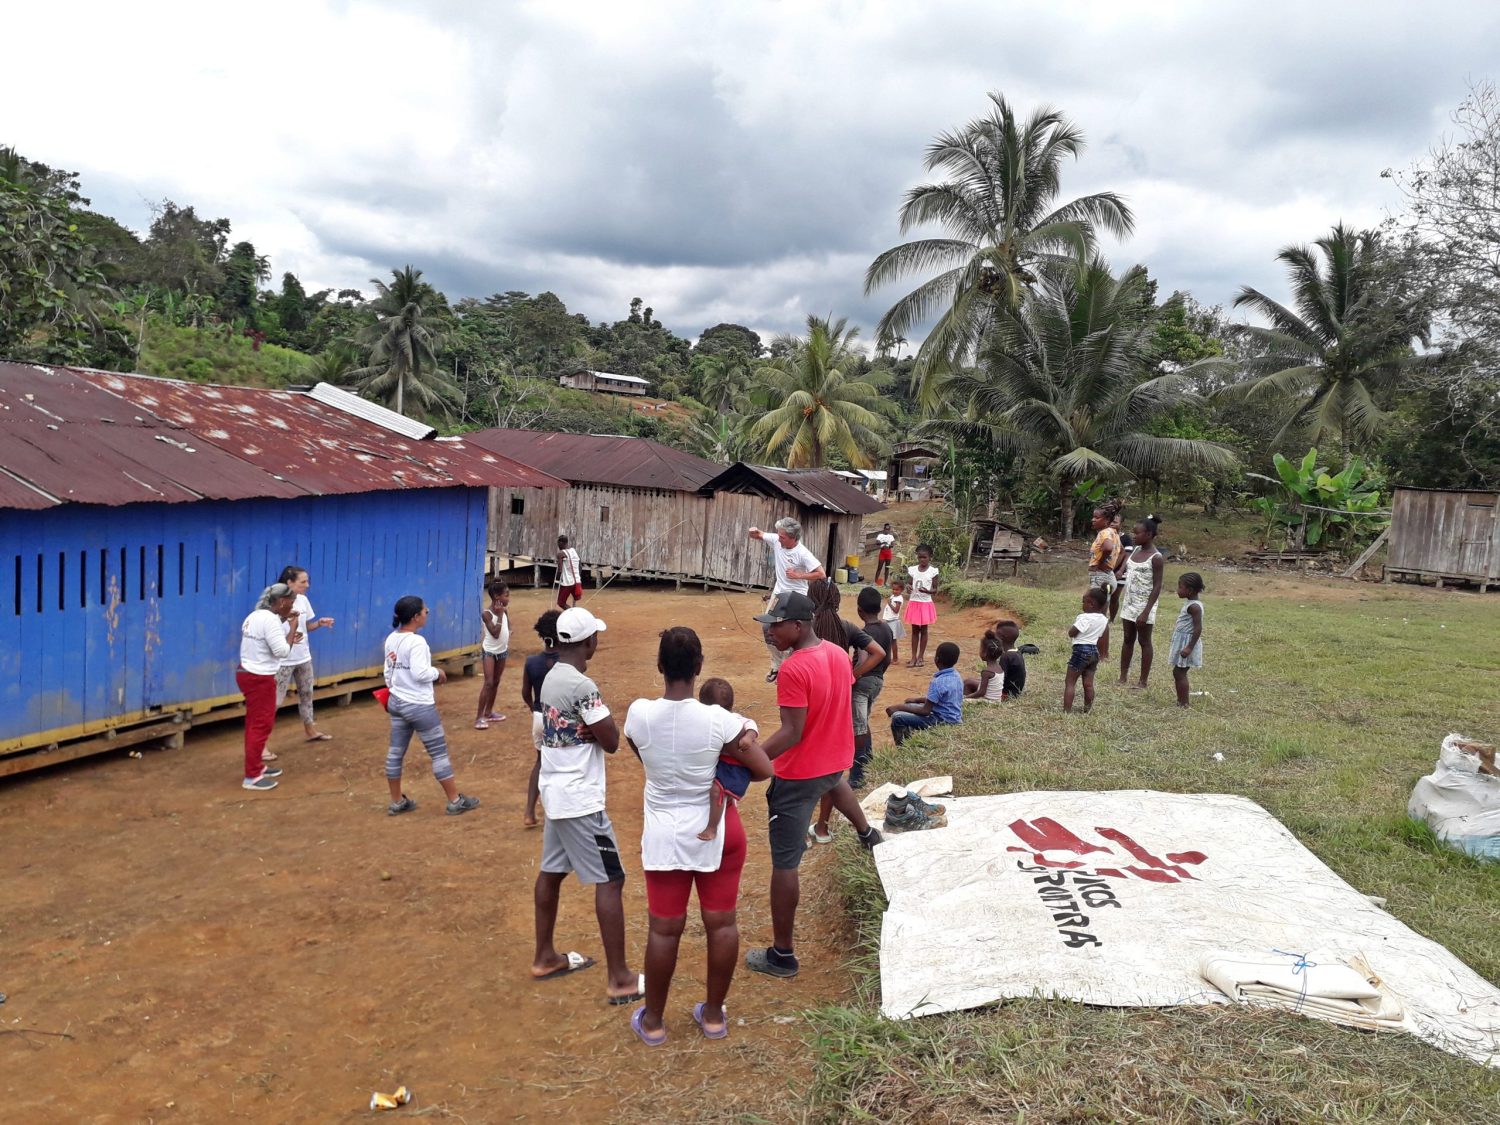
<point>1066,380</point>
<point>998,213</point>
<point>184,252</point>
<point>243,272</point>
<point>403,345</point>
<point>1349,340</point>
<point>820,399</point>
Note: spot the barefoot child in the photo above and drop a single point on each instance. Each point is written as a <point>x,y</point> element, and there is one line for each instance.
<point>731,776</point>
<point>921,613</point>
<point>989,685</point>
<point>1187,634</point>
<point>1143,577</point>
<point>1086,630</point>
<point>1012,662</point>
<point>533,672</point>
<point>496,647</point>
<point>891,615</point>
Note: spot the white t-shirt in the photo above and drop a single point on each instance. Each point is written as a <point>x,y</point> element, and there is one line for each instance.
<point>263,643</point>
<point>885,539</point>
<point>1090,628</point>
<point>408,667</point>
<point>921,583</point>
<point>572,776</point>
<point>680,741</point>
<point>892,610</point>
<point>491,644</point>
<point>568,575</point>
<point>798,558</point>
<point>300,653</point>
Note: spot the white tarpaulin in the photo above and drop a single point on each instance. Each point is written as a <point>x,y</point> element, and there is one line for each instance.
<point>1128,898</point>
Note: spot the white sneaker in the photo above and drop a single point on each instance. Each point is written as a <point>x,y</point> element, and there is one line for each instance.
<point>261,783</point>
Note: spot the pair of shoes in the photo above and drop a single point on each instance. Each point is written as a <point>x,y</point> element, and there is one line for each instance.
<point>905,815</point>
<point>770,677</point>
<point>261,783</point>
<point>870,837</point>
<point>461,804</point>
<point>396,808</point>
<point>825,838</point>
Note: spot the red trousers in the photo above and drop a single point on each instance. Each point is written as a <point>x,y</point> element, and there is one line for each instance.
<point>260,716</point>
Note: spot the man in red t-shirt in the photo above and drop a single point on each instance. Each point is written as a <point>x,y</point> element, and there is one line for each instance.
<point>809,754</point>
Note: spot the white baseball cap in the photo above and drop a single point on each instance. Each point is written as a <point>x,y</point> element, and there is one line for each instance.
<point>577,624</point>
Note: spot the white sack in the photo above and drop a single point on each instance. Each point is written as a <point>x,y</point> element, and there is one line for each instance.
<point>1116,898</point>
<point>1461,804</point>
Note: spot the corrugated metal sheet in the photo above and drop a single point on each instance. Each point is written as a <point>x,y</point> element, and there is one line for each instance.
<point>630,462</point>
<point>69,435</point>
<point>371,412</point>
<point>812,488</point>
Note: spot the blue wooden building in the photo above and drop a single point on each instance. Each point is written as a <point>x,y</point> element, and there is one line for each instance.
<point>140,519</point>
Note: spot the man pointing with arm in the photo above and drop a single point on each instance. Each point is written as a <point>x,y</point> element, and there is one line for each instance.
<point>795,567</point>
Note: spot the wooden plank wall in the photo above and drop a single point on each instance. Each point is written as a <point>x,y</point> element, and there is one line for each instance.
<point>1454,534</point>
<point>653,532</point>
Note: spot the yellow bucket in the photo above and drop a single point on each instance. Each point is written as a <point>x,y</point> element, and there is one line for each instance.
<point>851,561</point>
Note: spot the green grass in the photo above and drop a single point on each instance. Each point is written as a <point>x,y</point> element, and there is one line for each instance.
<point>1327,702</point>
<point>210,355</point>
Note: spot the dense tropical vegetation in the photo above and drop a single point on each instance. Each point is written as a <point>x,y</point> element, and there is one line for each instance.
<point>1044,373</point>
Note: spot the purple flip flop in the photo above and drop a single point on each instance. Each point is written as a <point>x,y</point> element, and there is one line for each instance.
<point>722,1033</point>
<point>641,1033</point>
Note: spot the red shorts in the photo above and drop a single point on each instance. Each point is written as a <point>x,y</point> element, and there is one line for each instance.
<point>574,591</point>
<point>667,892</point>
<point>885,555</point>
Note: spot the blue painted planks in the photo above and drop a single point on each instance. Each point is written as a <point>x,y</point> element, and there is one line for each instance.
<point>89,635</point>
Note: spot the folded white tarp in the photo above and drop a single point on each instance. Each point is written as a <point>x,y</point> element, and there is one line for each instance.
<point>1155,899</point>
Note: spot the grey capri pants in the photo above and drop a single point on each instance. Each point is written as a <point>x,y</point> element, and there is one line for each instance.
<point>423,720</point>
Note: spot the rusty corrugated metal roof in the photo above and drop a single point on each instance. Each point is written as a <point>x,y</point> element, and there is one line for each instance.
<point>69,435</point>
<point>813,488</point>
<point>630,462</point>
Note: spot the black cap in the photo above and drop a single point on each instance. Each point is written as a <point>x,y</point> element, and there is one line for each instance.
<point>787,607</point>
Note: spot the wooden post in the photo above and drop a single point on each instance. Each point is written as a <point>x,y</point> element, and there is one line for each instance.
<point>1368,554</point>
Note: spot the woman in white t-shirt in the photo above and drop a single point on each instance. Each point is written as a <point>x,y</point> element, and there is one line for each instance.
<point>265,640</point>
<point>409,676</point>
<point>297,667</point>
<point>679,742</point>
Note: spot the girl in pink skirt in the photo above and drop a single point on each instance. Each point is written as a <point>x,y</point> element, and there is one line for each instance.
<point>920,612</point>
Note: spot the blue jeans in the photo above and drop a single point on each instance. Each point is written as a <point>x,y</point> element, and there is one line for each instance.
<point>904,722</point>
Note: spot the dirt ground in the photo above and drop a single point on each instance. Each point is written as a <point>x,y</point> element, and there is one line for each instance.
<point>178,949</point>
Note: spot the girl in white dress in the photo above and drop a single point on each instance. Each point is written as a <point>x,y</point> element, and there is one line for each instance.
<point>1143,576</point>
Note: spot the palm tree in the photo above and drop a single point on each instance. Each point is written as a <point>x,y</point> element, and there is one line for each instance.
<point>403,344</point>
<point>999,220</point>
<point>818,400</point>
<point>721,379</point>
<point>1350,338</point>
<point>1068,378</point>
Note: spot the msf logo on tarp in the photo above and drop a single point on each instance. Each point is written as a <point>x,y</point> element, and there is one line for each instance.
<point>1051,845</point>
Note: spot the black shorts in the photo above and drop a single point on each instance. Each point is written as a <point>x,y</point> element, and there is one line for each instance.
<point>790,803</point>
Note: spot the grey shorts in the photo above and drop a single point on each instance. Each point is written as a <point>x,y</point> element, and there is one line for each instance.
<point>1103,578</point>
<point>862,701</point>
<point>790,803</point>
<point>584,845</point>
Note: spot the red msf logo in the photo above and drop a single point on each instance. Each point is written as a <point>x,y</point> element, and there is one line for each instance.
<point>1044,835</point>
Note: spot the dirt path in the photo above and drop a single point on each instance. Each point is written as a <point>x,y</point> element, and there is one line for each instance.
<point>214,954</point>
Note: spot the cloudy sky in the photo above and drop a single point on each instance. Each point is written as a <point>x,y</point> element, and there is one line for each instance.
<point>726,162</point>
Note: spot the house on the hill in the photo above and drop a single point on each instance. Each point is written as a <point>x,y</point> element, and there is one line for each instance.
<point>640,508</point>
<point>142,517</point>
<point>606,382</point>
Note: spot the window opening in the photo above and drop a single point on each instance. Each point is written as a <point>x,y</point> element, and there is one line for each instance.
<point>517,506</point>
<point>62,580</point>
<point>124,583</point>
<point>197,573</point>
<point>103,575</point>
<point>83,579</point>
<point>181,569</point>
<point>604,513</point>
<point>140,576</point>
<point>39,583</point>
<point>161,567</point>
<point>18,585</point>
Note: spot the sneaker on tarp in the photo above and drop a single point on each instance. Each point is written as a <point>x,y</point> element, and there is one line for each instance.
<point>926,806</point>
<point>461,804</point>
<point>261,783</point>
<point>396,808</point>
<point>901,815</point>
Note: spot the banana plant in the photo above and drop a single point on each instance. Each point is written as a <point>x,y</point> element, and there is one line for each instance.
<point>1315,508</point>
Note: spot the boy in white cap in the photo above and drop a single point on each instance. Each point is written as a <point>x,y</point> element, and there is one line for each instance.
<point>577,731</point>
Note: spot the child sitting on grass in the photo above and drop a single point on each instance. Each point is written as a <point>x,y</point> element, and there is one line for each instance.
<point>989,685</point>
<point>731,778</point>
<point>1012,662</point>
<point>1187,634</point>
<point>1086,630</point>
<point>943,702</point>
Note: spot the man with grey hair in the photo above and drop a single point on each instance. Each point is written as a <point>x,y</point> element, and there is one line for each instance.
<point>795,567</point>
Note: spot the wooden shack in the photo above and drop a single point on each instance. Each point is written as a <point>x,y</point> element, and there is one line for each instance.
<point>994,542</point>
<point>1448,535</point>
<point>913,468</point>
<point>642,509</point>
<point>605,382</point>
